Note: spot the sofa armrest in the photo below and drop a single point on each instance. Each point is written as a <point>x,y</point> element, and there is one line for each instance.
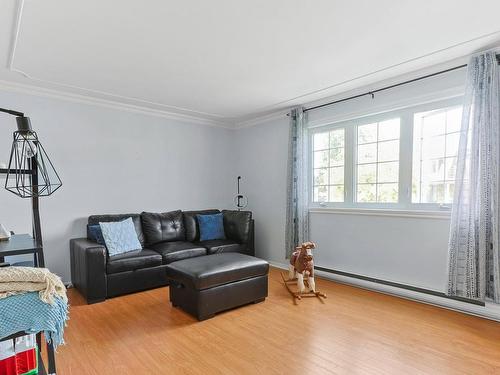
<point>239,227</point>
<point>251,239</point>
<point>88,269</point>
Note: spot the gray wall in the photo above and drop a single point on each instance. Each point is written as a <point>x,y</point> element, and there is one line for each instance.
<point>114,161</point>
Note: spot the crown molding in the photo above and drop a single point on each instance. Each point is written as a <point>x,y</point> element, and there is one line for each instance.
<point>107,103</point>
<point>260,119</point>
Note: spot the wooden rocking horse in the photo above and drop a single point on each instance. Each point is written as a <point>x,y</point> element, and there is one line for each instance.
<point>301,272</point>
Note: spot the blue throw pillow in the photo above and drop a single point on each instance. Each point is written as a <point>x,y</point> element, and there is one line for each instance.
<point>211,227</point>
<point>95,234</point>
<point>120,237</point>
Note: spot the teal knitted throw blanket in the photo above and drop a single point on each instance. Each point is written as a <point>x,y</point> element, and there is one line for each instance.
<point>27,313</point>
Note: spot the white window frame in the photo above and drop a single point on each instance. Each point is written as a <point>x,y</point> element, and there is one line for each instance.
<point>406,116</point>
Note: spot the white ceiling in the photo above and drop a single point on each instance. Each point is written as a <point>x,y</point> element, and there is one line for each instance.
<point>228,61</point>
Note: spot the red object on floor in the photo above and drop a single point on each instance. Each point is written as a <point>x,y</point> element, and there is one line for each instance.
<point>8,366</point>
<point>26,355</point>
<point>7,358</point>
<point>25,362</point>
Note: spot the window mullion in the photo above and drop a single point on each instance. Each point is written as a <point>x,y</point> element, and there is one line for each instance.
<point>349,164</point>
<point>405,158</point>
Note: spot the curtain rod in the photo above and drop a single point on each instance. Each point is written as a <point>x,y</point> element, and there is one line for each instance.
<point>373,92</point>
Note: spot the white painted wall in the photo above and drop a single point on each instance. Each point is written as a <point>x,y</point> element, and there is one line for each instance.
<point>400,249</point>
<point>262,162</point>
<point>114,161</point>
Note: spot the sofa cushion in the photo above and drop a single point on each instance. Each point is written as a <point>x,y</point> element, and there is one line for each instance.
<point>191,223</point>
<point>222,246</point>
<point>159,227</point>
<point>136,218</point>
<point>216,269</point>
<point>237,225</point>
<point>132,261</point>
<point>178,250</point>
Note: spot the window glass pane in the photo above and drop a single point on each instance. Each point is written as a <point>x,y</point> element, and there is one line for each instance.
<point>337,138</point>
<point>388,172</point>
<point>433,170</point>
<point>434,124</point>
<point>388,130</point>
<point>378,161</point>
<point>415,191</point>
<point>321,176</point>
<point>452,144</point>
<point>388,151</point>
<point>367,173</point>
<point>367,153</point>
<point>337,193</point>
<point>336,157</point>
<point>320,159</point>
<point>337,176</point>
<point>450,169</point>
<point>328,165</point>
<point>320,194</point>
<point>367,193</point>
<point>435,147</point>
<point>367,133</point>
<point>320,141</point>
<point>432,192</point>
<point>454,120</point>
<point>449,191</point>
<point>387,193</point>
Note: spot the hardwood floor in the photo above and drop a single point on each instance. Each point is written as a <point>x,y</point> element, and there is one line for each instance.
<point>354,332</point>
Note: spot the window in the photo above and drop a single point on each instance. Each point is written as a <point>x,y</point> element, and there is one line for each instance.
<point>378,161</point>
<point>435,145</point>
<point>328,183</point>
<point>402,159</point>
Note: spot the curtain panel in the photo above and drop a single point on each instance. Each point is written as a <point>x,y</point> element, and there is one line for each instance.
<point>473,248</point>
<point>297,197</point>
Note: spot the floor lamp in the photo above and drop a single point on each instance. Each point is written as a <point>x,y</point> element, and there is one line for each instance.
<point>30,173</point>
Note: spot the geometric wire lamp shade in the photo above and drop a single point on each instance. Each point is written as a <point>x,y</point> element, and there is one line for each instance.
<point>28,155</point>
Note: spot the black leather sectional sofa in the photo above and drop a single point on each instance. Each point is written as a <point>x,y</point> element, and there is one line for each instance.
<point>165,238</point>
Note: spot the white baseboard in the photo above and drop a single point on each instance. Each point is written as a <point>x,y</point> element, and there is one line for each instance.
<point>490,311</point>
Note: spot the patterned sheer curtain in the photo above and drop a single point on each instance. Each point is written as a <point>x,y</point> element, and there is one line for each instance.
<point>473,249</point>
<point>297,199</point>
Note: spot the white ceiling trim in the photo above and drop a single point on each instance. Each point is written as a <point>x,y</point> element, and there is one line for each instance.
<point>85,99</point>
<point>112,99</point>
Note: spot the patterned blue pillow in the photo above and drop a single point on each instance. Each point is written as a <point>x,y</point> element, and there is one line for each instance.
<point>95,234</point>
<point>120,237</point>
<point>211,227</point>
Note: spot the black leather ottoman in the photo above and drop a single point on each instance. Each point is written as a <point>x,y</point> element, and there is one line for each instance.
<point>206,285</point>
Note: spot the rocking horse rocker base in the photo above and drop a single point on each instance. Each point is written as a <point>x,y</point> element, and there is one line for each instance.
<point>296,294</point>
